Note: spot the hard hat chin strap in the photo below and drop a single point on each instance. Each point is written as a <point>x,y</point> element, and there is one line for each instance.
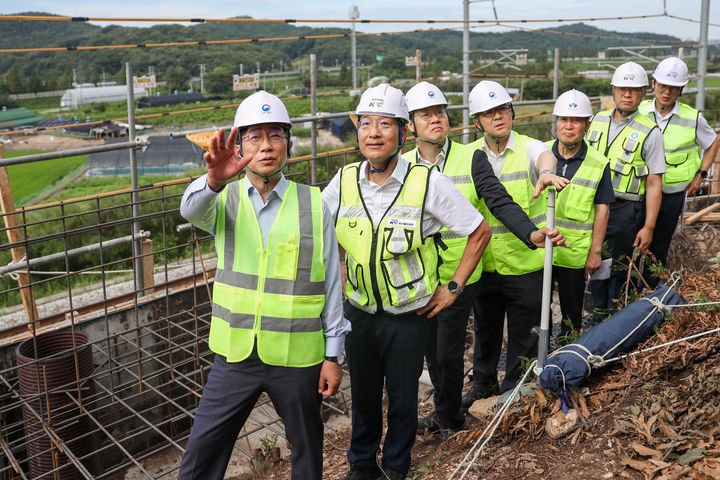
<point>266,178</point>
<point>500,138</point>
<point>626,113</point>
<point>392,157</point>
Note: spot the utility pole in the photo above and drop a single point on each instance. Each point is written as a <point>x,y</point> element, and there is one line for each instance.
<point>702,55</point>
<point>134,195</point>
<point>354,15</point>
<point>202,78</point>
<point>241,68</point>
<point>313,113</point>
<point>417,66</point>
<point>466,68</point>
<point>556,73</point>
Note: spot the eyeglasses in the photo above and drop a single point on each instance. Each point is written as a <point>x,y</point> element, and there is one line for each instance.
<point>275,137</point>
<point>426,115</point>
<point>382,125</point>
<point>502,110</point>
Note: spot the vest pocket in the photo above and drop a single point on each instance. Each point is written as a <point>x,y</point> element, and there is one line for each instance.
<point>677,158</point>
<point>594,137</point>
<point>578,202</point>
<point>629,147</point>
<point>286,260</point>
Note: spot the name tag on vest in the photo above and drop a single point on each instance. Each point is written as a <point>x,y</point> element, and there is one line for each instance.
<point>396,222</point>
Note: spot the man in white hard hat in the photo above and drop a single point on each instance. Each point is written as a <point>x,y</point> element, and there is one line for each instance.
<point>277,318</point>
<point>511,282</point>
<point>582,208</point>
<point>387,215</point>
<point>634,146</point>
<point>690,149</point>
<point>472,174</point>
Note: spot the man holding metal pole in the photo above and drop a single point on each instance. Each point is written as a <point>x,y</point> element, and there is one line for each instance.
<point>634,146</point>
<point>472,174</point>
<point>387,215</point>
<point>690,149</point>
<point>512,273</point>
<point>277,318</point>
<point>582,208</point>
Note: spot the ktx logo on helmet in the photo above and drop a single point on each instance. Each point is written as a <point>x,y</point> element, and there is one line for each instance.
<point>573,105</point>
<point>629,76</point>
<point>376,102</point>
<point>265,108</point>
<point>671,75</point>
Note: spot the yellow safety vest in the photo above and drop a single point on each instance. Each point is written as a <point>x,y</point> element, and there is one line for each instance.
<point>575,210</point>
<point>628,169</point>
<point>390,267</point>
<point>458,167</point>
<point>273,295</point>
<point>682,153</point>
<point>505,253</point>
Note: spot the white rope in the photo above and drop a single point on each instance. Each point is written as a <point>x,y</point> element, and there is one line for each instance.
<point>15,275</point>
<point>494,423</point>
<point>673,342</point>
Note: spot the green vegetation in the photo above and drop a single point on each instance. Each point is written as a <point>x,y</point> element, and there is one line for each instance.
<point>80,228</point>
<point>40,103</point>
<point>30,179</point>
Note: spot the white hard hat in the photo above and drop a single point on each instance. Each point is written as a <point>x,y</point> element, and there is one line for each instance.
<point>424,95</point>
<point>261,107</point>
<point>383,100</point>
<point>671,71</point>
<point>629,74</point>
<point>573,103</point>
<point>487,95</point>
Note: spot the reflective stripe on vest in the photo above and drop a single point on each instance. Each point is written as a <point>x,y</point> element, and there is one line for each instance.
<point>458,167</point>
<point>390,268</point>
<point>682,154</point>
<point>628,169</point>
<point>505,253</point>
<point>575,211</point>
<point>271,295</point>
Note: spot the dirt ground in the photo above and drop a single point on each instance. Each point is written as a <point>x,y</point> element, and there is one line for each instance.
<point>655,416</point>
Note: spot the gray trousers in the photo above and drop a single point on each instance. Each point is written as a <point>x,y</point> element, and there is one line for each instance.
<point>231,391</point>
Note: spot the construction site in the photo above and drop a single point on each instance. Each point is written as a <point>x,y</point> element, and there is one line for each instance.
<point>104,358</point>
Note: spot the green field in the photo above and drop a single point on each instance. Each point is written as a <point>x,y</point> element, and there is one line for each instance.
<point>29,179</point>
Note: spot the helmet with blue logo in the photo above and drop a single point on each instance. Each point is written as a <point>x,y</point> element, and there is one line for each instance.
<point>384,100</point>
<point>424,95</point>
<point>487,95</point>
<point>629,74</point>
<point>671,71</point>
<point>261,107</point>
<point>573,103</point>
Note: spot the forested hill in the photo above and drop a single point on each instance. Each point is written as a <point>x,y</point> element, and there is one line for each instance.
<point>443,47</point>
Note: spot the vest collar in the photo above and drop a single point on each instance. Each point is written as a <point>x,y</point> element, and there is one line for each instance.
<point>279,189</point>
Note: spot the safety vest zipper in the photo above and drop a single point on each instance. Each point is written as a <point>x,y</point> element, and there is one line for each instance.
<point>373,270</point>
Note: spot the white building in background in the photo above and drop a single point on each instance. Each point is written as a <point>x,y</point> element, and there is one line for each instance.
<point>82,95</point>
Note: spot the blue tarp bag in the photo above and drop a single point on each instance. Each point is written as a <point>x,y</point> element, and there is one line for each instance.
<point>571,364</point>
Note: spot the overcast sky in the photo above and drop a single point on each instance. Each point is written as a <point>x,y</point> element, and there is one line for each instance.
<point>399,9</point>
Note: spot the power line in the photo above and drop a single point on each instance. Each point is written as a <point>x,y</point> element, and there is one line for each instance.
<point>47,18</point>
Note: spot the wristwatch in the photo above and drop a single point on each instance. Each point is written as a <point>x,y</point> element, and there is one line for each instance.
<point>454,287</point>
<point>703,173</point>
<point>339,359</point>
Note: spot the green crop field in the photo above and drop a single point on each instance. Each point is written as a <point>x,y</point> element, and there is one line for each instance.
<point>31,178</point>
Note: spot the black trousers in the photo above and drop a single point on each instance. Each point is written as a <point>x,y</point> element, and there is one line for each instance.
<point>231,391</point>
<point>667,221</point>
<point>571,292</point>
<point>625,221</point>
<point>520,297</point>
<point>384,350</point>
<point>444,352</point>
